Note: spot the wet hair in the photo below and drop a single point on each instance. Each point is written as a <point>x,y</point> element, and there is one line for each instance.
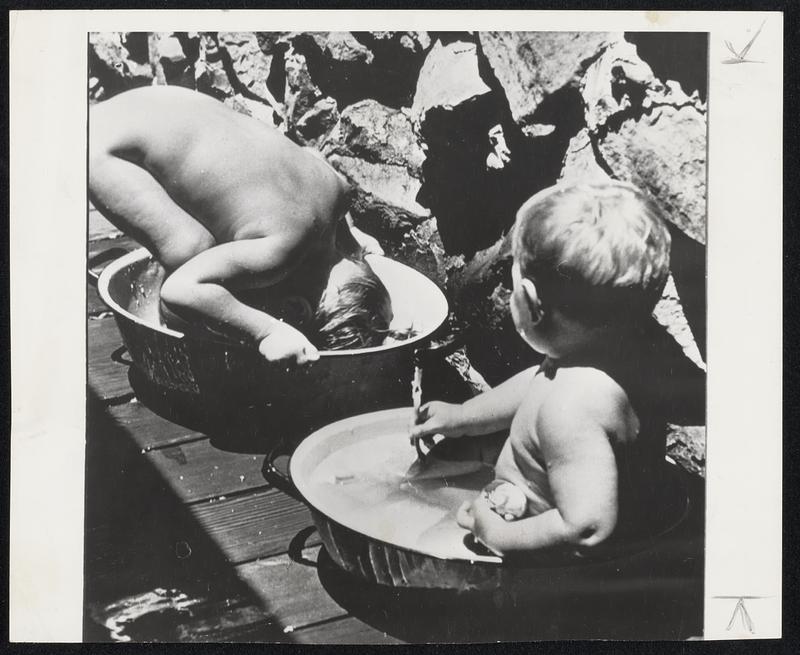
<point>597,252</point>
<point>357,319</point>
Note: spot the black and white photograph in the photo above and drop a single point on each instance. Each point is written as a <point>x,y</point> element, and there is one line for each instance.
<point>398,337</point>
<point>402,337</point>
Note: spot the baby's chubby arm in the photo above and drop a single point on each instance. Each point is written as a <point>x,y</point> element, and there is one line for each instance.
<point>488,412</point>
<point>201,289</point>
<point>582,473</point>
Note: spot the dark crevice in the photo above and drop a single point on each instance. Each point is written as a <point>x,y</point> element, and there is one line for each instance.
<point>594,140</point>
<point>390,77</point>
<point>678,56</point>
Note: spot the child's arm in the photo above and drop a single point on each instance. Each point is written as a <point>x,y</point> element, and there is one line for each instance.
<point>488,412</point>
<point>582,472</point>
<point>201,289</point>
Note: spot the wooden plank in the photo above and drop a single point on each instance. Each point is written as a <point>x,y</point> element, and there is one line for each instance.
<point>290,591</point>
<point>149,430</point>
<point>349,630</point>
<point>107,378</point>
<point>197,471</point>
<point>260,524</point>
<point>173,615</point>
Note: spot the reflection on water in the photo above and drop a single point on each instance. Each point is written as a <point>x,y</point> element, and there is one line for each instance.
<point>378,487</point>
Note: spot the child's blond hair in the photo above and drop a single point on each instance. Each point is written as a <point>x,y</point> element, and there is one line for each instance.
<point>597,252</point>
<point>355,319</point>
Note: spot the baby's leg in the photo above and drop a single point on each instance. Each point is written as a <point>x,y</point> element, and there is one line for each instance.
<point>135,202</point>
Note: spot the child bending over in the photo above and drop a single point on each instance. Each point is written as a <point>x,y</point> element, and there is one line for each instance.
<point>252,229</point>
<point>585,452</point>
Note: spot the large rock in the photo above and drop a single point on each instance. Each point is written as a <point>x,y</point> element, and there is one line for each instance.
<point>249,64</point>
<point>376,148</point>
<point>448,78</point>
<point>580,163</point>
<point>113,68</point>
<point>686,444</point>
<point>211,77</point>
<point>464,127</point>
<point>173,56</point>
<point>253,109</point>
<point>649,133</point>
<point>310,115</point>
<point>533,65</point>
<point>353,66</point>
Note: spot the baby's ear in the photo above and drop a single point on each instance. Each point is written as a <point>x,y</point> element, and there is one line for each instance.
<point>534,304</point>
<point>531,295</point>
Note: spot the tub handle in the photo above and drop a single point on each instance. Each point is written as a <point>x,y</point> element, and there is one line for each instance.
<point>275,474</point>
<point>102,257</point>
<point>298,544</point>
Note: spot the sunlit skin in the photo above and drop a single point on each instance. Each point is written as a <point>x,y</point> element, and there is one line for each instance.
<point>229,206</point>
<point>569,422</point>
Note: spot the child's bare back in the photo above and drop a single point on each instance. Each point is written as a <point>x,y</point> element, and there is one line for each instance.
<point>234,210</point>
<point>236,176</point>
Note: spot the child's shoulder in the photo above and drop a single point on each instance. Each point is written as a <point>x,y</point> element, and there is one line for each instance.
<point>583,394</point>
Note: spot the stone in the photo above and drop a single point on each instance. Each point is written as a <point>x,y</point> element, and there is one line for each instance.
<point>301,94</point>
<point>480,290</point>
<point>393,73</point>
<point>249,63</point>
<point>376,148</point>
<point>669,313</point>
<point>111,66</point>
<point>272,43</point>
<point>173,56</point>
<point>465,130</point>
<point>686,445</point>
<point>649,133</point>
<point>448,78</point>
<point>421,248</point>
<point>210,74</point>
<point>529,66</point>
<point>253,108</point>
<point>664,152</point>
<point>316,123</point>
<point>377,133</point>
<point>580,164</point>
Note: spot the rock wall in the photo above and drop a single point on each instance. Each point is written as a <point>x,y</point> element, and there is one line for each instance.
<point>446,134</point>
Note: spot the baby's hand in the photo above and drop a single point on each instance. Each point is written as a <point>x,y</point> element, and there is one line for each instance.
<point>437,417</point>
<point>285,343</point>
<point>477,517</point>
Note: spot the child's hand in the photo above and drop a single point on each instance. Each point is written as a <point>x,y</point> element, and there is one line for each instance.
<point>479,518</point>
<point>285,343</point>
<point>437,417</point>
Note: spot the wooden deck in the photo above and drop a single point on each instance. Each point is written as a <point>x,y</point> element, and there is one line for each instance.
<point>186,540</point>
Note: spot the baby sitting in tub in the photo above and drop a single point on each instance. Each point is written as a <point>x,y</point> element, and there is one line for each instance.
<point>252,229</point>
<point>585,454</point>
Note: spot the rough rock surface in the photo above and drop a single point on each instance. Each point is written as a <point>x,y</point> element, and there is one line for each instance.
<point>173,56</point>
<point>309,114</point>
<point>376,148</point>
<point>248,62</point>
<point>686,444</point>
<point>649,133</point>
<point>448,78</point>
<point>533,65</point>
<point>580,163</point>
<point>353,66</point>
<point>113,68</point>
